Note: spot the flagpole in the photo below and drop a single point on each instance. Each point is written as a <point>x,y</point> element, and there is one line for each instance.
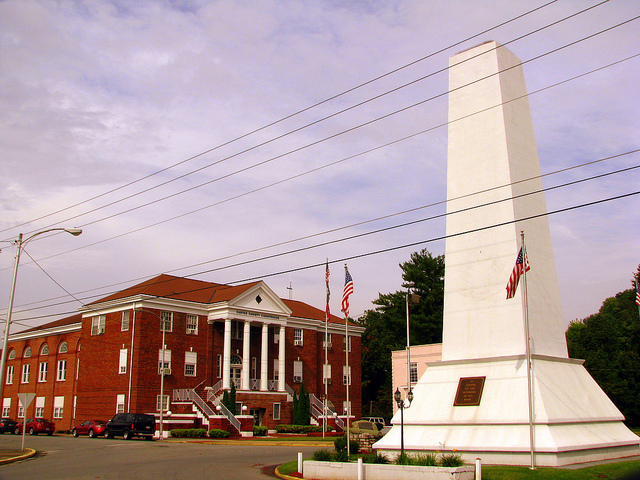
<point>528,349</point>
<point>326,355</point>
<point>346,337</point>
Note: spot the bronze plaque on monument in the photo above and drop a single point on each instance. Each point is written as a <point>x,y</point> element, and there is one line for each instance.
<point>469,392</point>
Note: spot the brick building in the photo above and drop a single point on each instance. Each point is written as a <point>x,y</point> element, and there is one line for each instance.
<point>214,336</point>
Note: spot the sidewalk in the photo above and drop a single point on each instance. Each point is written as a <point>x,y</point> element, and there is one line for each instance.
<point>8,456</point>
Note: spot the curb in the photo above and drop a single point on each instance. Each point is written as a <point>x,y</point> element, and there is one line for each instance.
<point>284,476</point>
<point>29,452</point>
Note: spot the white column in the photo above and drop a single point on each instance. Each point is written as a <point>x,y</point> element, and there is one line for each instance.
<point>226,356</point>
<point>281,372</point>
<point>246,356</point>
<point>264,359</point>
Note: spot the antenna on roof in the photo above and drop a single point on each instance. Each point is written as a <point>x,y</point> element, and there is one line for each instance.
<point>290,288</point>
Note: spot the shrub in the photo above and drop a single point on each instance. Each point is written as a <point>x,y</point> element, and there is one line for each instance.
<point>451,460</point>
<point>259,431</point>
<point>425,460</point>
<point>300,428</point>
<point>340,444</point>
<point>403,459</point>
<point>322,455</point>
<point>379,458</point>
<point>189,433</point>
<point>217,433</point>
<point>341,456</point>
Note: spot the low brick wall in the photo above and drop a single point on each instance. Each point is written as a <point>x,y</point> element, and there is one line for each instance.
<point>365,440</point>
<point>371,471</point>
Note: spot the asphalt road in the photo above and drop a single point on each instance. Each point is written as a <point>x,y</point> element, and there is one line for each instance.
<point>65,457</point>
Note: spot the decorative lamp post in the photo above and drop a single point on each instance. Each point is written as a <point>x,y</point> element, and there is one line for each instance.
<point>401,406</point>
<point>20,243</point>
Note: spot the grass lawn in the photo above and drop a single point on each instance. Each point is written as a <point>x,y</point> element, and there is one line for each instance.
<point>612,471</point>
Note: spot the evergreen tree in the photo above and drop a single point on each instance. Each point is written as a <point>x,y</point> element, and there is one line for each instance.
<point>386,327</point>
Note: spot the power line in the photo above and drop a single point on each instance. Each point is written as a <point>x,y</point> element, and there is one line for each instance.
<point>368,82</point>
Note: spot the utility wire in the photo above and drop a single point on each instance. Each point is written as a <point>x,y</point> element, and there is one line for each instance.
<point>392,227</point>
<point>368,82</point>
<point>415,244</point>
<point>265,187</point>
<point>317,142</point>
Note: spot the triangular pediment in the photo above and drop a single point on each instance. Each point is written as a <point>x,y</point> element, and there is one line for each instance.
<point>257,302</point>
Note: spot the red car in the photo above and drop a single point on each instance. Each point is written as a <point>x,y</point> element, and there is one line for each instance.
<point>93,428</point>
<point>35,426</point>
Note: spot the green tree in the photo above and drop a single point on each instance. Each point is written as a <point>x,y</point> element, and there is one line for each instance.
<point>609,343</point>
<point>301,407</point>
<point>386,327</point>
<point>229,398</point>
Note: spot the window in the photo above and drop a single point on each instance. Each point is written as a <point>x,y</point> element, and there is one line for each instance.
<point>166,356</point>
<point>192,324</point>
<point>58,407</point>
<point>237,329</point>
<point>326,368</point>
<point>44,350</point>
<point>6,406</point>
<point>123,361</point>
<point>39,407</point>
<point>413,372</point>
<point>9,375</point>
<point>42,372</point>
<point>276,334</point>
<point>12,354</point>
<point>254,367</point>
<point>297,336</point>
<point>297,371</point>
<point>165,402</point>
<point>190,362</point>
<point>27,352</point>
<point>344,342</point>
<point>61,373</point>
<point>120,403</point>
<point>126,316</point>
<point>326,340</point>
<point>346,374</point>
<point>219,366</point>
<point>26,370</point>
<point>276,411</point>
<point>20,410</point>
<point>346,407</point>
<point>166,321</point>
<point>64,348</point>
<point>276,369</point>
<point>97,324</point>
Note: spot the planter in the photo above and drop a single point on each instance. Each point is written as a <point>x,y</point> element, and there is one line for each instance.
<point>372,471</point>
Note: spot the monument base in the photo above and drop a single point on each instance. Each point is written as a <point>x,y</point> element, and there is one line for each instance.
<point>573,420</point>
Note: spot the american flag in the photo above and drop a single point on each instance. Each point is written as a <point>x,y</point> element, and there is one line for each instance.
<point>348,290</point>
<point>638,291</point>
<point>326,279</point>
<point>522,264</point>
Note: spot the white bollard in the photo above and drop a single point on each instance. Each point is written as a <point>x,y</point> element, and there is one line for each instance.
<point>360,469</point>
<point>300,463</point>
<point>478,469</point>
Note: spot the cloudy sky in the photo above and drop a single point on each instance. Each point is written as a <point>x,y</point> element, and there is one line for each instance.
<point>235,140</point>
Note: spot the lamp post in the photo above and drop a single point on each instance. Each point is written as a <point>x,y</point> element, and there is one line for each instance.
<point>20,243</point>
<point>401,405</point>
<point>413,298</point>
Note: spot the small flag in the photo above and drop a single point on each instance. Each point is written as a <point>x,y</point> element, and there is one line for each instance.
<point>348,290</point>
<point>522,265</point>
<point>638,291</point>
<point>326,279</point>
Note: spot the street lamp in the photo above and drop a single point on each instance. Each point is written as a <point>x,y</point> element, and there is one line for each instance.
<point>20,243</point>
<point>401,405</point>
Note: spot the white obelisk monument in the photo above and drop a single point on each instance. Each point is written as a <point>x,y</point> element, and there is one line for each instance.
<point>477,399</point>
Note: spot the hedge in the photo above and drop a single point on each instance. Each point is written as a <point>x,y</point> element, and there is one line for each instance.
<point>189,433</point>
<point>217,433</point>
<point>301,428</point>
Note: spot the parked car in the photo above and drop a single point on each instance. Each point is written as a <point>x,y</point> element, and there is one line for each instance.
<point>34,426</point>
<point>381,423</point>
<point>365,426</point>
<point>130,425</point>
<point>7,425</point>
<point>93,428</point>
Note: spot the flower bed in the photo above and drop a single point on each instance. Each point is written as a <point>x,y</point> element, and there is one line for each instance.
<point>349,471</point>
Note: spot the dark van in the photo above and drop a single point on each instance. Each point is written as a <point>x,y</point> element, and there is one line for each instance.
<point>129,425</point>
